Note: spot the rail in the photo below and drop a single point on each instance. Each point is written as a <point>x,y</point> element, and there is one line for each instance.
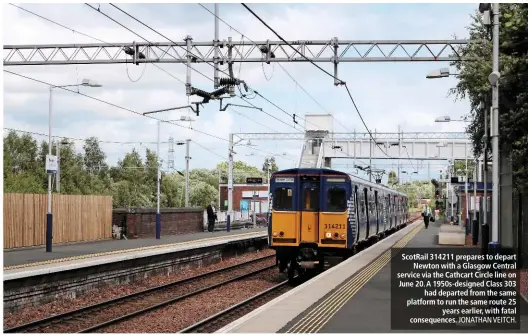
<point>84,313</point>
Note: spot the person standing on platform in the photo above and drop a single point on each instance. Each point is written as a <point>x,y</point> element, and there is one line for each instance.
<point>426,213</point>
<point>211,217</point>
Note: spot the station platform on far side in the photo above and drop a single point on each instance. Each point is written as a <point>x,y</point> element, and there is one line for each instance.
<point>33,261</point>
<point>352,297</point>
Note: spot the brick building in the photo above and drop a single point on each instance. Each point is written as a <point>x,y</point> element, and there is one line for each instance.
<point>245,197</point>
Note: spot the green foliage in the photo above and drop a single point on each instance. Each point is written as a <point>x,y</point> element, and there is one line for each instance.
<point>391,178</point>
<point>271,164</point>
<point>131,183</point>
<point>417,190</point>
<point>473,84</point>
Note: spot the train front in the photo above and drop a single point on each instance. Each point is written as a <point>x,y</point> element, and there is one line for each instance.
<point>309,217</point>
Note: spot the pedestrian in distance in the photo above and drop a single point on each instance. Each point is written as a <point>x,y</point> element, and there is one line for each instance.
<point>211,217</point>
<point>426,213</point>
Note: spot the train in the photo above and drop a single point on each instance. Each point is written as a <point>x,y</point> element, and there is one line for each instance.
<point>320,215</point>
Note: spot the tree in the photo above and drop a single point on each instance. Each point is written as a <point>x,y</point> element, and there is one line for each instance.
<point>270,163</point>
<point>94,158</point>
<point>391,178</point>
<point>201,194</point>
<point>473,84</point>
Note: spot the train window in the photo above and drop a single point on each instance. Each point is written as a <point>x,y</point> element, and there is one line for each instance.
<point>336,200</point>
<point>310,199</point>
<point>283,199</point>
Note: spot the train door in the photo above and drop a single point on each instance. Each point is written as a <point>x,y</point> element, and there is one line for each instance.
<point>360,212</point>
<point>389,210</point>
<point>365,211</point>
<point>310,191</point>
<point>396,210</point>
<point>378,213</point>
<point>373,227</point>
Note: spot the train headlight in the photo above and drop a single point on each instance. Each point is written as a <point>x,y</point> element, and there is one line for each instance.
<point>328,234</point>
<point>343,236</point>
<point>275,234</point>
<point>281,233</point>
<point>336,235</point>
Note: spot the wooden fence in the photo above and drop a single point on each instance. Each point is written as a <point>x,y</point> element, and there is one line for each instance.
<point>75,218</point>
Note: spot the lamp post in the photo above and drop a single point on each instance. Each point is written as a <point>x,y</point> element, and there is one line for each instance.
<point>51,161</point>
<point>157,215</point>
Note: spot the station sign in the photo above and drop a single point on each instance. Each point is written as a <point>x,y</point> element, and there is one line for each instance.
<point>51,164</point>
<point>254,180</point>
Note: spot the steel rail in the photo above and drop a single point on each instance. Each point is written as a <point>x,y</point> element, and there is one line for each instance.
<point>98,306</point>
<point>200,326</point>
<point>173,300</point>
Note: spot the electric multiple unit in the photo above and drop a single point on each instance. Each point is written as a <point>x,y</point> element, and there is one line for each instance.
<point>317,214</point>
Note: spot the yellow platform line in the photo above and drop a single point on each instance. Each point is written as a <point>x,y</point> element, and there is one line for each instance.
<point>60,260</point>
<point>322,313</point>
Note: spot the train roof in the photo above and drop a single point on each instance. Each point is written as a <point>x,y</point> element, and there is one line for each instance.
<point>335,172</point>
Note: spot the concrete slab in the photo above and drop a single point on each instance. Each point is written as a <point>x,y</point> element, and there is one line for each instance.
<point>276,314</point>
<point>84,261</point>
<point>35,255</point>
<point>452,229</point>
<point>450,238</point>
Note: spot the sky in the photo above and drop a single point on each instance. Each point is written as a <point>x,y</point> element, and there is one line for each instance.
<point>388,95</point>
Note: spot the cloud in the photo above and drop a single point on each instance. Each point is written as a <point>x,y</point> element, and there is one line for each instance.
<point>387,94</point>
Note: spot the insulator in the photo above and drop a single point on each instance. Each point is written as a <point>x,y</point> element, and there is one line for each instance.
<point>219,92</point>
<point>200,93</point>
<point>228,81</point>
<point>129,51</point>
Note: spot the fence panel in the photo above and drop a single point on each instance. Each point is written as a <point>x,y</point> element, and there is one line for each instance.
<point>75,218</point>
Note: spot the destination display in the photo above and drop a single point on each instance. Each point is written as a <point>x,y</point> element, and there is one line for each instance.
<point>454,289</point>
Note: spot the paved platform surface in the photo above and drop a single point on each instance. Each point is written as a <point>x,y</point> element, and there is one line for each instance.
<point>16,257</point>
<point>369,309</point>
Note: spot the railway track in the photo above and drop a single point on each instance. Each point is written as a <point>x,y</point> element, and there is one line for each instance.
<point>218,320</point>
<point>221,319</point>
<point>98,316</point>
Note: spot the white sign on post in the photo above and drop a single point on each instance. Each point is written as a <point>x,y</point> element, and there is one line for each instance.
<point>51,164</point>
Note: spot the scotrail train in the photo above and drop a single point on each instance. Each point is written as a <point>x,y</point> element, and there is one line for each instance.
<point>322,214</point>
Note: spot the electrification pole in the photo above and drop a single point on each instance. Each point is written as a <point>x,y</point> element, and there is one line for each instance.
<point>216,48</point>
<point>187,182</point>
<point>230,181</point>
<point>493,78</point>
<point>157,216</point>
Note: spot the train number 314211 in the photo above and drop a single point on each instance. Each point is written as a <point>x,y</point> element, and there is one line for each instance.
<point>334,226</point>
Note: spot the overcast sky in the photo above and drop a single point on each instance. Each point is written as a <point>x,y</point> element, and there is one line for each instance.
<point>388,94</point>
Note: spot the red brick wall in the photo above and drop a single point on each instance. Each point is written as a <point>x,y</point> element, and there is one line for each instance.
<point>140,223</point>
<point>237,194</point>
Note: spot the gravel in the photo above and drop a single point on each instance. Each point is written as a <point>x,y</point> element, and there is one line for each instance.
<point>106,292</point>
<point>175,317</point>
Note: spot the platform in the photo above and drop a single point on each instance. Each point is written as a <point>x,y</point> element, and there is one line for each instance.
<point>37,260</point>
<point>353,297</point>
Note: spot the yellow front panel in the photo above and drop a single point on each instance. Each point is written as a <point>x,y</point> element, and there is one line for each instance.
<point>286,223</point>
<point>333,223</point>
<point>310,227</point>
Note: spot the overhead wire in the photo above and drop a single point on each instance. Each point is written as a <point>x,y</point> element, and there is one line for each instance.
<point>91,37</point>
<point>323,70</point>
<point>162,35</point>
<point>195,70</point>
<point>286,71</point>
<point>132,111</point>
<point>110,44</point>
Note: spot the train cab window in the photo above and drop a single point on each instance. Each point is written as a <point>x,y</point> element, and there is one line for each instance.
<point>283,199</point>
<point>310,199</point>
<point>336,200</point>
